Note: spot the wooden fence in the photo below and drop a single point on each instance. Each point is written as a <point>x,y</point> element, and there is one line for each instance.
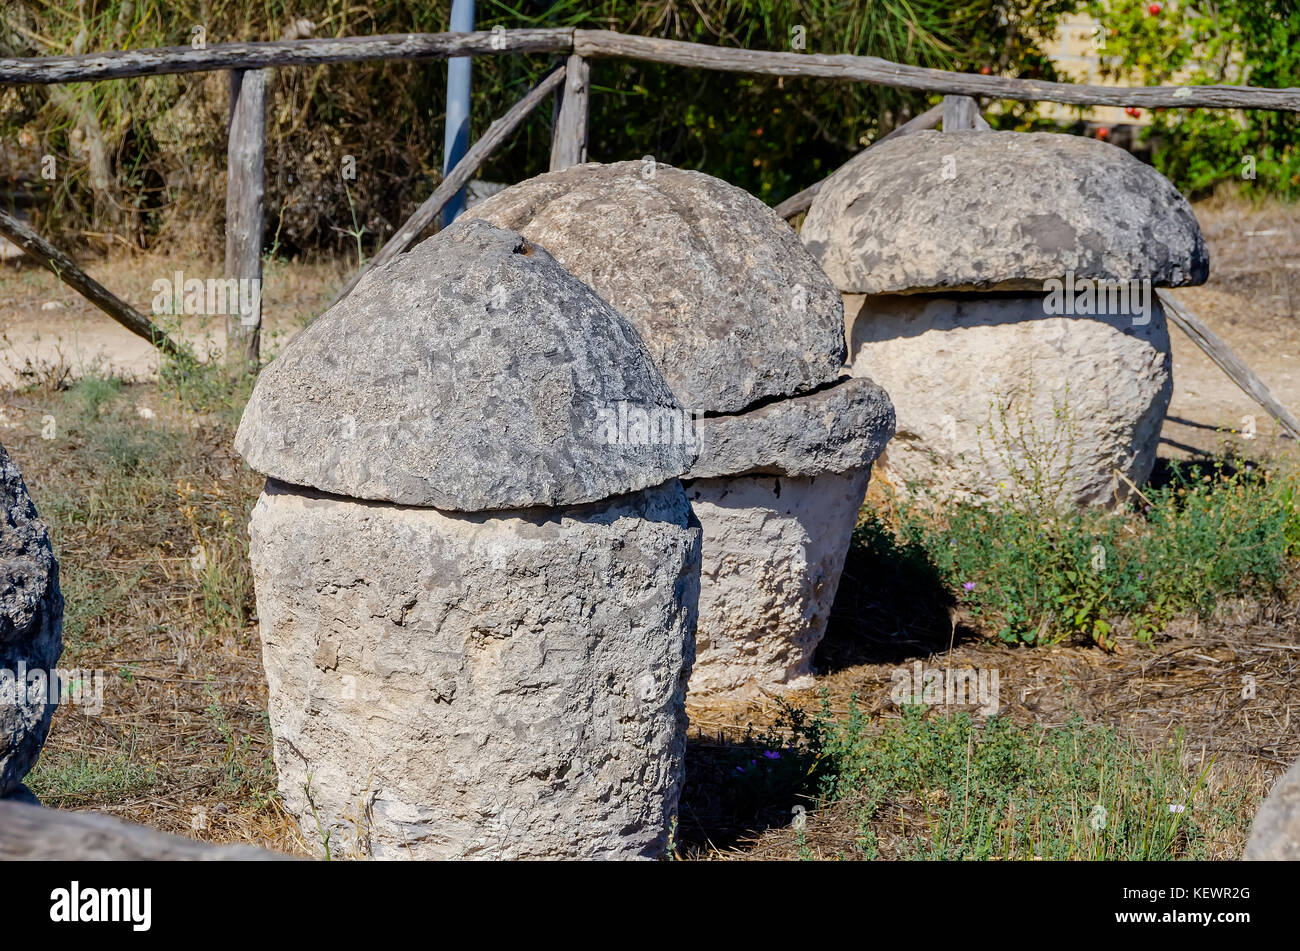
<point>247,129</point>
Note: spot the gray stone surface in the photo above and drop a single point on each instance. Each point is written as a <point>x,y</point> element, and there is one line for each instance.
<point>31,627</point>
<point>996,400</point>
<point>478,686</point>
<point>731,305</point>
<point>1000,210</point>
<point>30,833</point>
<point>1275,834</point>
<point>836,429</point>
<point>774,551</point>
<point>468,374</point>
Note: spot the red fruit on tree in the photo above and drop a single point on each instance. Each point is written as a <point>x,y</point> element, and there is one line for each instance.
<point>1154,9</point>
<point>986,70</point>
<point>1103,132</point>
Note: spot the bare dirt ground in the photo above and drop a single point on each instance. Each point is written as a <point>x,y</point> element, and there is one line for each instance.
<point>187,740</point>
<point>47,327</point>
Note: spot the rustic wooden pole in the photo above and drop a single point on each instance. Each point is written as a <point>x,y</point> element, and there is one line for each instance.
<point>569,146</point>
<point>66,270</point>
<point>872,69</point>
<point>802,201</point>
<point>1228,362</point>
<point>478,153</point>
<point>959,112</point>
<point>592,43</point>
<point>164,60</point>
<point>245,185</point>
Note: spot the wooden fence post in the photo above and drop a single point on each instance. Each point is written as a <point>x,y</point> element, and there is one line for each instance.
<point>569,146</point>
<point>245,182</point>
<point>959,112</point>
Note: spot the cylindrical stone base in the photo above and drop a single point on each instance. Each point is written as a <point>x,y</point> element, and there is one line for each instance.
<point>504,685</point>
<point>773,551</point>
<point>996,400</point>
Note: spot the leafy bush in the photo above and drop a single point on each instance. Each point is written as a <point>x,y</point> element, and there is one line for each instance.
<point>1034,575</point>
<point>1247,42</point>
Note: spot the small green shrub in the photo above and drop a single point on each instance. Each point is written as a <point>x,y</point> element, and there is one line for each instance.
<point>1026,575</point>
<point>949,788</point>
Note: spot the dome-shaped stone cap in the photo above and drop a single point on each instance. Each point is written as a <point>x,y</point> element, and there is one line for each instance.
<point>729,302</point>
<point>838,428</point>
<point>472,373</point>
<point>976,210</point>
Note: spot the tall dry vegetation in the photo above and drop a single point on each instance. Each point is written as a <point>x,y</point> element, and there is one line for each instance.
<point>143,161</point>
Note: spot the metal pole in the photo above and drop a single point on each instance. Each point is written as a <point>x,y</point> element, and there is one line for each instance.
<point>456,136</point>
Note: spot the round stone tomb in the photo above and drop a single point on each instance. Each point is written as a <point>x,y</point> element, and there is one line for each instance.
<point>1001,286</point>
<point>749,333</point>
<point>476,610</point>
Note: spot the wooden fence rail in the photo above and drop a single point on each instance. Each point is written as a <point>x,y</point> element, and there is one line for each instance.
<point>247,63</point>
<point>607,43</point>
<point>163,60</point>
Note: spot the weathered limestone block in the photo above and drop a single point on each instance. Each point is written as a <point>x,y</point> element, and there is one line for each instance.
<point>477,624</point>
<point>474,686</point>
<point>775,549</point>
<point>732,306</point>
<point>977,210</point>
<point>31,630</point>
<point>996,400</point>
<point>1275,834</point>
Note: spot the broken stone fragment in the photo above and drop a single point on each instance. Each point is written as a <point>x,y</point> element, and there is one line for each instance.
<point>1275,834</point>
<point>31,630</point>
<point>733,308</point>
<point>477,627</point>
<point>839,428</point>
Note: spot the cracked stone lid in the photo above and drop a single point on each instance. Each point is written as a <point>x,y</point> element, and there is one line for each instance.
<point>978,210</point>
<point>838,428</point>
<point>732,307</point>
<point>472,373</point>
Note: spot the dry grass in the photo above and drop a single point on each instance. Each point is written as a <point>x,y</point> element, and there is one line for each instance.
<point>182,742</point>
<point>1192,679</point>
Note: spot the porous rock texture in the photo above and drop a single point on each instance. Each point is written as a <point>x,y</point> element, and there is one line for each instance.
<point>469,374</point>
<point>31,630</point>
<point>732,306</point>
<point>774,551</point>
<point>838,428</point>
<point>748,330</point>
<point>995,399</point>
<point>508,685</point>
<point>978,210</point>
<point>1275,834</point>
